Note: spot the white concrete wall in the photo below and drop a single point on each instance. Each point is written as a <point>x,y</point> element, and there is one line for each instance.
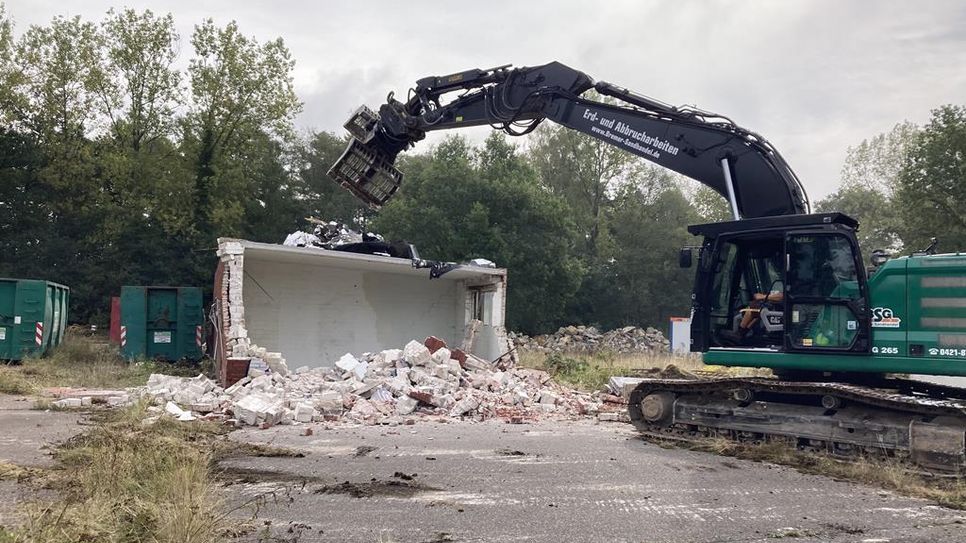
<point>314,313</point>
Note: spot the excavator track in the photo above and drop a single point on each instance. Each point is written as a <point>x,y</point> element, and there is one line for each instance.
<point>918,422</point>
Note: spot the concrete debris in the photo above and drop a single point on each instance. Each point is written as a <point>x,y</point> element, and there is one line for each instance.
<point>347,362</point>
<point>416,354</point>
<point>406,405</point>
<point>67,403</point>
<point>264,361</point>
<point>301,239</point>
<point>587,339</point>
<point>172,409</point>
<point>327,235</point>
<point>613,416</point>
<point>421,379</point>
<point>119,400</point>
<point>482,262</point>
<point>623,386</point>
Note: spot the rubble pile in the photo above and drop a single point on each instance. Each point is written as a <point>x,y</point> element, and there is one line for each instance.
<point>587,339</point>
<point>386,387</point>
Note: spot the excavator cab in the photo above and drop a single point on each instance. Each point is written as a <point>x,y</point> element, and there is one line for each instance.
<point>800,278</point>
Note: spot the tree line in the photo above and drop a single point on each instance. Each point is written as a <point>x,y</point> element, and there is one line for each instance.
<point>117,167</point>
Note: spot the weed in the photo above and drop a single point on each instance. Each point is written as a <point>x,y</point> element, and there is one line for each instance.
<point>592,371</point>
<point>13,382</point>
<point>82,362</point>
<point>557,363</point>
<point>789,532</point>
<point>130,481</point>
<point>10,471</point>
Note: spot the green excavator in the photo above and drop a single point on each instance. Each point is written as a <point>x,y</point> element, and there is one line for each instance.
<point>778,287</point>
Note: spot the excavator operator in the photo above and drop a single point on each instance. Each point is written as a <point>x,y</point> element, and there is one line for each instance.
<point>751,314</point>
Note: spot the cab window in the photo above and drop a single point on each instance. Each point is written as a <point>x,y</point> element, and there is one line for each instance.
<point>823,289</point>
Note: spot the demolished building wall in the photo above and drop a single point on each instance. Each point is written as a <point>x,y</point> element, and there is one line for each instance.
<point>308,306</point>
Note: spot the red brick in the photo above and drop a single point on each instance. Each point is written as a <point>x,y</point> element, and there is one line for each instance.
<point>434,344</point>
<point>458,354</point>
<point>235,369</point>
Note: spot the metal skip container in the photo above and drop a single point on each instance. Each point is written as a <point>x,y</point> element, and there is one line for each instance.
<point>33,317</point>
<point>166,323</point>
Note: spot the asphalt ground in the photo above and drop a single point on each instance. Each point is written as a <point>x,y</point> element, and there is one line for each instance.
<point>549,481</point>
<point>27,437</point>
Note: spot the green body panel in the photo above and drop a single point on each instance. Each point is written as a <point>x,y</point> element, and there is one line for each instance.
<point>918,307</point>
<point>23,304</point>
<point>833,362</point>
<point>161,322</point>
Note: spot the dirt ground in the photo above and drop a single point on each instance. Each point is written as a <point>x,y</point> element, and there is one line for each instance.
<point>26,440</point>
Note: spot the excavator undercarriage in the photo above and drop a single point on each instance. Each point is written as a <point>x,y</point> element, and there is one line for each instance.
<point>898,418</point>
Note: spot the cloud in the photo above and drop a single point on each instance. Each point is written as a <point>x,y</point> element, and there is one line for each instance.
<point>814,77</point>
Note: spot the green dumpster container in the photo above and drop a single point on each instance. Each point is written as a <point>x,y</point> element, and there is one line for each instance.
<point>33,317</point>
<point>164,323</point>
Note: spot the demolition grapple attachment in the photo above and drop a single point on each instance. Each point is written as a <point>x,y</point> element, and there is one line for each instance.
<point>366,167</point>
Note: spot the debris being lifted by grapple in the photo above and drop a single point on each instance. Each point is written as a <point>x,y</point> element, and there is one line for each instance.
<point>365,169</point>
<point>366,173</point>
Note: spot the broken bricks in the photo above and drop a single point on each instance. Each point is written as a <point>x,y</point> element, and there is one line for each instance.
<point>416,354</point>
<point>422,378</point>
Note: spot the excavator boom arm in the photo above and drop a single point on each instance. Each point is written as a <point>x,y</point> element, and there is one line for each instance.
<point>737,163</point>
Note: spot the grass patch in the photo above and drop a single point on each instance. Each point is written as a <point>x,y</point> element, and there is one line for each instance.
<point>885,473</point>
<point>591,371</point>
<point>261,450</point>
<point>10,471</point>
<point>12,382</point>
<point>85,363</point>
<point>127,480</point>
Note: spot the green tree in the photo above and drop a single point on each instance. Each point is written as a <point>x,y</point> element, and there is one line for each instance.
<point>710,205</point>
<point>459,203</point>
<point>140,170</point>
<point>584,171</point>
<point>638,282</point>
<point>650,287</point>
<point>274,207</point>
<point>24,211</point>
<point>240,88</point>
<point>11,75</point>
<point>321,196</point>
<point>932,183</point>
<point>876,162</point>
<point>879,220</point>
<point>104,184</point>
<point>138,89</point>
<point>58,62</point>
<point>868,184</point>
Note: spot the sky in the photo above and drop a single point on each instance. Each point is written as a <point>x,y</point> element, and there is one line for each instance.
<point>812,77</point>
